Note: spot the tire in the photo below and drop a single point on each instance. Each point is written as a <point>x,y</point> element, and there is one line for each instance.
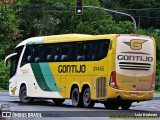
<point>87,102</point>
<point>76,98</point>
<point>58,101</point>
<point>112,104</point>
<point>23,95</point>
<point>125,105</point>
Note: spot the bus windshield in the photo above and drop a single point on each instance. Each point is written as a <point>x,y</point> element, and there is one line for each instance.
<point>14,58</point>
<point>13,65</point>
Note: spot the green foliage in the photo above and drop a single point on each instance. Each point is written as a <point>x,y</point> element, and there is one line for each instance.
<point>1,88</point>
<point>156,34</point>
<point>4,76</point>
<point>146,12</point>
<point>157,87</point>
<point>29,18</point>
<point>9,29</point>
<point>134,4</point>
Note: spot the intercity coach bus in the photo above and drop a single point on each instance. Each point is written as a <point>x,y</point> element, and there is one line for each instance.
<point>113,69</point>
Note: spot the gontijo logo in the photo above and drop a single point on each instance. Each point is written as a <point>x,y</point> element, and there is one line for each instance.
<point>135,44</point>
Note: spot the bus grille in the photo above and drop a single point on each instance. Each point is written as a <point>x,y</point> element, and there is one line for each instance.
<point>101,87</point>
<point>134,66</point>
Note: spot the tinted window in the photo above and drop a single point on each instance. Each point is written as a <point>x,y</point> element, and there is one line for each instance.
<point>28,56</point>
<point>66,50</point>
<point>72,51</point>
<point>80,51</point>
<point>39,53</point>
<point>92,50</point>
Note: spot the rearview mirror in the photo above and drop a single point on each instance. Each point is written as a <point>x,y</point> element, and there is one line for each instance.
<point>6,62</point>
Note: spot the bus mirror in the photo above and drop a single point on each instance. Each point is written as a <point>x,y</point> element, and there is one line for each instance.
<point>7,58</point>
<point>6,63</point>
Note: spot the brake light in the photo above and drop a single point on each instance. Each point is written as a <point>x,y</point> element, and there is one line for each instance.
<point>113,80</point>
<point>117,35</point>
<point>152,82</point>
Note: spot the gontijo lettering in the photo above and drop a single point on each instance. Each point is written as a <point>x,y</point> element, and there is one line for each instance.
<point>134,58</point>
<point>71,69</point>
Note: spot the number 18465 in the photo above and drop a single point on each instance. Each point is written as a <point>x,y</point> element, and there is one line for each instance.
<point>98,68</point>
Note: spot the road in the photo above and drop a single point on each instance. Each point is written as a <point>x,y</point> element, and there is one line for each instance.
<point>46,110</point>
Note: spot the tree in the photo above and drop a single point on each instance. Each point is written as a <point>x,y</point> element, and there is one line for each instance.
<point>10,35</point>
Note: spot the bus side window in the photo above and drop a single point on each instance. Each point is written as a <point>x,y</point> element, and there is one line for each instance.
<point>49,56</point>
<point>52,52</point>
<point>39,53</point>
<point>28,55</point>
<point>66,50</point>
<point>103,49</point>
<point>94,53</point>
<point>56,53</point>
<point>80,51</point>
<point>89,50</point>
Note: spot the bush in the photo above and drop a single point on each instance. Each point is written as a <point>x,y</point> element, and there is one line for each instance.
<point>4,76</point>
<point>156,34</point>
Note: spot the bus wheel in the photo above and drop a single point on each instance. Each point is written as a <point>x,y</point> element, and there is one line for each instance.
<point>87,102</point>
<point>23,95</point>
<point>125,105</point>
<point>111,104</point>
<point>76,98</point>
<point>58,101</point>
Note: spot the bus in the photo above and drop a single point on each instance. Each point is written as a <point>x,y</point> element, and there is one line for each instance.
<point>113,69</point>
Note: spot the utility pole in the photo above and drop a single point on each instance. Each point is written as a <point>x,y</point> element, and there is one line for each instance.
<point>108,10</point>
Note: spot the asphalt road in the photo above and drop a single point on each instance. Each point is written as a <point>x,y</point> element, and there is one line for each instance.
<point>46,109</point>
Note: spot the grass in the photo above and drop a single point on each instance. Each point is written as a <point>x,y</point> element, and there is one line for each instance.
<point>158,92</point>
<point>1,89</point>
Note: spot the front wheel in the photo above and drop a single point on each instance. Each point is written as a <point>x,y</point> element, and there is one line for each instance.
<point>58,101</point>
<point>23,95</point>
<point>87,102</point>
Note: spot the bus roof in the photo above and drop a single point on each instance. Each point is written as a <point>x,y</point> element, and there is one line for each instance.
<point>60,38</point>
<point>69,38</point>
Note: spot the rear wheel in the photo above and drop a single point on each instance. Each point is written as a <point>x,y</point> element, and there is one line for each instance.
<point>111,104</point>
<point>58,101</point>
<point>125,105</point>
<point>76,98</point>
<point>23,95</point>
<point>87,102</point>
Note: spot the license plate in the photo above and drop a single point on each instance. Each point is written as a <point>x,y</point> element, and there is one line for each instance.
<point>134,94</point>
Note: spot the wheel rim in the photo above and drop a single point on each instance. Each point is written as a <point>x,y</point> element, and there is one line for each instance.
<point>24,94</point>
<point>86,97</point>
<point>75,98</point>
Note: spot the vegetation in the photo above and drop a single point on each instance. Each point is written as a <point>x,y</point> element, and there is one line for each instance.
<point>22,19</point>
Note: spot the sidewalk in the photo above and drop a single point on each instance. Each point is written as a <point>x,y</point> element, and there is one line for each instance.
<point>156,96</point>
